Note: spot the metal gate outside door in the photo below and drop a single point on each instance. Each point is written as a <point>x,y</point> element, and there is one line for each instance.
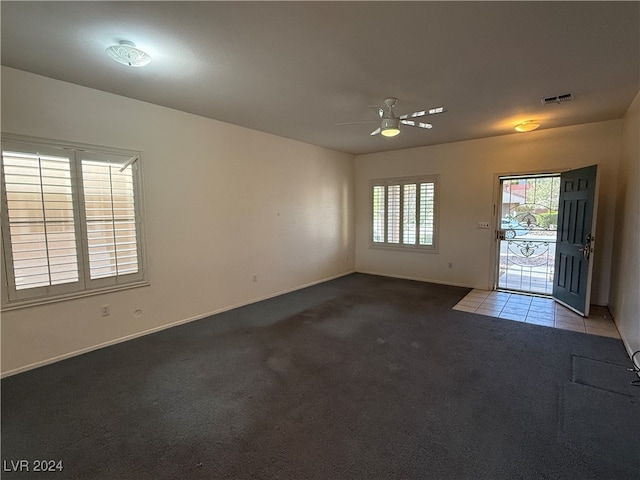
<point>528,233</point>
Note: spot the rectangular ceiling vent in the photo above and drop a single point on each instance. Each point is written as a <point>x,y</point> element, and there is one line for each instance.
<point>557,99</point>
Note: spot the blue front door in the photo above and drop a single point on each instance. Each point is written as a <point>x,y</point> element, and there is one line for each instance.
<point>574,248</point>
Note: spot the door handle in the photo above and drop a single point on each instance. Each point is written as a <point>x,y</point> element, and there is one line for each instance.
<point>586,248</point>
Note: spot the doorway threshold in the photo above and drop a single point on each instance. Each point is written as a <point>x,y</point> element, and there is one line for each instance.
<point>522,292</point>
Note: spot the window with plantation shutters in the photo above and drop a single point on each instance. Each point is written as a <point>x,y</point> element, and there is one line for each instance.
<point>110,216</point>
<point>404,213</point>
<point>71,221</point>
<point>40,217</point>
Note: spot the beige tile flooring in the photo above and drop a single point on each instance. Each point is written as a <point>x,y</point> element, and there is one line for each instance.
<point>538,310</point>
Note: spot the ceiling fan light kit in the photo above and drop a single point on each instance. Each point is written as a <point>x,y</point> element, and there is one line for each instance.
<point>126,53</point>
<point>389,127</point>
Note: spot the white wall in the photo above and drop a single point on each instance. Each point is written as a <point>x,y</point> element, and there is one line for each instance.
<point>467,194</point>
<point>222,203</point>
<point>625,274</point>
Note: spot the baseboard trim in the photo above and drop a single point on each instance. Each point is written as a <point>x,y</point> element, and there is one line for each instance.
<point>627,347</point>
<point>75,353</point>
<point>417,279</point>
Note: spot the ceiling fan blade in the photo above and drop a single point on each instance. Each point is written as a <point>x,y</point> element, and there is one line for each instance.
<point>375,132</point>
<point>422,113</point>
<point>379,110</point>
<point>413,123</point>
<point>413,115</point>
<point>355,123</point>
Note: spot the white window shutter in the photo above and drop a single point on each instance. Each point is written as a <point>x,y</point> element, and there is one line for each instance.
<point>111,217</point>
<point>41,221</point>
<point>71,220</point>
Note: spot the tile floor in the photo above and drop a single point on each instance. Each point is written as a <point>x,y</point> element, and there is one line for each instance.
<point>538,310</point>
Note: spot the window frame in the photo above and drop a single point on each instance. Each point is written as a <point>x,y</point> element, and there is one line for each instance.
<point>401,182</point>
<point>13,298</point>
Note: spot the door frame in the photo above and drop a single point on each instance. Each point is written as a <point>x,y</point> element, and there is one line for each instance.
<point>495,219</point>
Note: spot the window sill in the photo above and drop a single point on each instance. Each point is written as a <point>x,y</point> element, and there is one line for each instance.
<point>35,302</point>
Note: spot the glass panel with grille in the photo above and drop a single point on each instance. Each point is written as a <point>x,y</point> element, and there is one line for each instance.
<point>529,222</point>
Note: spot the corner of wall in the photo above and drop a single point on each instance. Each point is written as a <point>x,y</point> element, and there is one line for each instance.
<point>624,301</point>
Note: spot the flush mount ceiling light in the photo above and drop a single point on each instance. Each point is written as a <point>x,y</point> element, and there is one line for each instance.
<point>126,53</point>
<point>527,126</point>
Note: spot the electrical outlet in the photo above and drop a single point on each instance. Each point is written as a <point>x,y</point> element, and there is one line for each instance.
<point>105,310</point>
<point>483,225</point>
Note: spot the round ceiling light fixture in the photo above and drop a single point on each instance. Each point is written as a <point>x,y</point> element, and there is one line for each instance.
<point>126,53</point>
<point>528,126</point>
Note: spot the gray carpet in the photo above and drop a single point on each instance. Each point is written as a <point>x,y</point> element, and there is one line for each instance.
<point>362,377</point>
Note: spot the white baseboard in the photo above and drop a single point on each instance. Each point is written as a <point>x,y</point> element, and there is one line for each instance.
<point>417,279</point>
<point>92,348</point>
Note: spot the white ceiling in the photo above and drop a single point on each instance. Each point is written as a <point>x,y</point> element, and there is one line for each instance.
<point>295,69</point>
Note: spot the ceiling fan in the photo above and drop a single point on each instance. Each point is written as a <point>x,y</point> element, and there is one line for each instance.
<point>390,123</point>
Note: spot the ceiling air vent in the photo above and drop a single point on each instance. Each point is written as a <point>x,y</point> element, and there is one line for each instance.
<point>557,99</point>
